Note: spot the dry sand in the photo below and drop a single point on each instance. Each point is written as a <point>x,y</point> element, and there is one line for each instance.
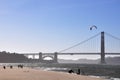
<point>32,74</point>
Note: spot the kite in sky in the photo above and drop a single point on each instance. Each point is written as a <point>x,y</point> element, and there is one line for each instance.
<point>93,27</point>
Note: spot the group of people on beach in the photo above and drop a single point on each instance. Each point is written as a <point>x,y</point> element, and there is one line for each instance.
<point>78,71</point>
<point>19,66</point>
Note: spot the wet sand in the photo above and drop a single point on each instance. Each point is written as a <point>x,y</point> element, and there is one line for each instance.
<point>32,74</point>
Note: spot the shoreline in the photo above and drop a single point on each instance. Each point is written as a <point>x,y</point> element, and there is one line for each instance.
<point>55,68</point>
<point>30,74</point>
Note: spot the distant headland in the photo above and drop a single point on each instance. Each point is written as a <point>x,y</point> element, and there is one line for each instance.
<point>7,57</point>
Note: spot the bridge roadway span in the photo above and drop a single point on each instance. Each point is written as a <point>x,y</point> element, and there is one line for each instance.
<point>54,56</point>
<point>70,53</point>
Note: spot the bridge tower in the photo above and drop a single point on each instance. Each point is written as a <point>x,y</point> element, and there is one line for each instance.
<point>102,48</point>
<point>55,57</point>
<point>40,57</point>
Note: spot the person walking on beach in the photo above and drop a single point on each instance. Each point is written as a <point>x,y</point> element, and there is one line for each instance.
<point>78,72</point>
<point>11,67</point>
<point>20,66</point>
<point>4,67</point>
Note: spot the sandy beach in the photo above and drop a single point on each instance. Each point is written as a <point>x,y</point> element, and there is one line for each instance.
<point>33,74</point>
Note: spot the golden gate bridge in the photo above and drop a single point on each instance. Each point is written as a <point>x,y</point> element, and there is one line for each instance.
<point>100,44</point>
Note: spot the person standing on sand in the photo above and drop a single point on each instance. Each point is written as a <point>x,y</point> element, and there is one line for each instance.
<point>11,67</point>
<point>4,67</point>
<point>78,72</point>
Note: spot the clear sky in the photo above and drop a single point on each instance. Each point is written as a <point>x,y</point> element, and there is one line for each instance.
<point>53,25</point>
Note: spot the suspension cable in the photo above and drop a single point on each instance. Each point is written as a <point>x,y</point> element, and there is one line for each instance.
<point>79,43</point>
<point>112,36</point>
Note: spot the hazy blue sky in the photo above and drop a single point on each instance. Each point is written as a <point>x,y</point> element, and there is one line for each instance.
<point>53,25</point>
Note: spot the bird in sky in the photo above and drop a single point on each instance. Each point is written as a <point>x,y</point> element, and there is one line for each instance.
<point>92,27</point>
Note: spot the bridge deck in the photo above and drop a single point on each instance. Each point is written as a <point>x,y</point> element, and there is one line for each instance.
<point>71,53</point>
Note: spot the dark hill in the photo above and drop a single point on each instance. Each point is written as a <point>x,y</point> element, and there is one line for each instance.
<point>6,57</point>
